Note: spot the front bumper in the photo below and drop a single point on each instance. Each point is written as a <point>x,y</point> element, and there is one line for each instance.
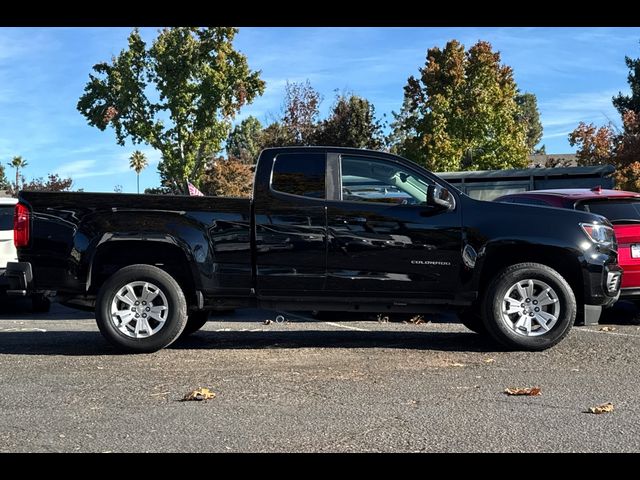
<point>20,278</point>
<point>630,293</point>
<point>602,280</point>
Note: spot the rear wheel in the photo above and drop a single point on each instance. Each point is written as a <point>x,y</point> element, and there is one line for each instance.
<point>141,308</point>
<point>195,322</point>
<point>529,306</point>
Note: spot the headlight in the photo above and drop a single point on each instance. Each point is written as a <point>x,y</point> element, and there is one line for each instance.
<point>600,234</point>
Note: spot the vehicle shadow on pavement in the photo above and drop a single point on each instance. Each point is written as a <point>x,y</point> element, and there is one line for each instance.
<point>437,341</point>
<point>92,343</point>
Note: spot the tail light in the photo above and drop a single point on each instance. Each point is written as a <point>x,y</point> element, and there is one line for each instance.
<point>21,227</point>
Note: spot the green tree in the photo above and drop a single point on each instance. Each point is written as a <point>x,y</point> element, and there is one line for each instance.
<point>4,183</point>
<point>351,123</point>
<point>244,140</point>
<point>138,162</point>
<point>529,115</point>
<point>631,102</point>
<point>18,162</point>
<point>179,96</point>
<point>461,113</point>
<point>276,134</point>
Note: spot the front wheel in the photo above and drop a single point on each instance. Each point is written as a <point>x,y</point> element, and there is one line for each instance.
<point>141,308</point>
<point>529,306</point>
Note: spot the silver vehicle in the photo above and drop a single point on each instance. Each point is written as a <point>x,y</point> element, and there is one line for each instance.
<point>8,251</point>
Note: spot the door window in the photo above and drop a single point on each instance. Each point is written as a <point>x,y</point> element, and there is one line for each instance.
<point>300,174</point>
<point>373,180</point>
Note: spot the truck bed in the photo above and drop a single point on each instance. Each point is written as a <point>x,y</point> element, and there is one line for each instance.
<point>70,229</point>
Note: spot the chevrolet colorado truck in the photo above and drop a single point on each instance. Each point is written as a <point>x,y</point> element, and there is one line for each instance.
<point>327,228</point>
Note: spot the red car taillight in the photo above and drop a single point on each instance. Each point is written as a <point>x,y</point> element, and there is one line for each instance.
<point>21,226</point>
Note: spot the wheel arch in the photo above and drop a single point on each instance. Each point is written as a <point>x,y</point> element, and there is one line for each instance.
<point>498,257</point>
<point>110,256</point>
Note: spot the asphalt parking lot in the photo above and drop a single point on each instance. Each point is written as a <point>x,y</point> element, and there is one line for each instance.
<point>308,385</point>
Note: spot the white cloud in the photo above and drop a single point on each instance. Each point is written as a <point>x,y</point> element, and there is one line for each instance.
<point>107,164</point>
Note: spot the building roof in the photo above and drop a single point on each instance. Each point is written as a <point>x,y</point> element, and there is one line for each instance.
<point>528,172</point>
<point>578,193</point>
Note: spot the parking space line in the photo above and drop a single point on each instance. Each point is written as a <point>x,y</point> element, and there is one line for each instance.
<point>349,327</point>
<point>606,333</point>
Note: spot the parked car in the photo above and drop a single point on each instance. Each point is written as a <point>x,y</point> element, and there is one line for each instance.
<point>8,251</point>
<point>318,234</point>
<point>621,208</point>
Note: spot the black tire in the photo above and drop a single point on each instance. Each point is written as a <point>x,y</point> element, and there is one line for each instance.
<point>473,321</point>
<point>176,317</point>
<point>492,307</point>
<point>40,303</point>
<point>195,322</point>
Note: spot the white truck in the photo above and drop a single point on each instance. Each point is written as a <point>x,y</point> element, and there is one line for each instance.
<point>8,252</point>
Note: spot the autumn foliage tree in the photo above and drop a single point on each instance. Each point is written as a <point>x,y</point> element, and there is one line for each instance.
<point>599,145</point>
<point>52,183</point>
<point>299,118</point>
<point>595,144</point>
<point>227,177</point>
<point>177,95</point>
<point>461,112</point>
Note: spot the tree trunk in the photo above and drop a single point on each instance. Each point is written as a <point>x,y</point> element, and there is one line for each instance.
<point>138,179</point>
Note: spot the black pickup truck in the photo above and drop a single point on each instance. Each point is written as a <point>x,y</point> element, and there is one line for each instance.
<point>327,229</point>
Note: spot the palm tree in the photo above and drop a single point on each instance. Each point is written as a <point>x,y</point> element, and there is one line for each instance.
<point>18,162</point>
<point>138,161</point>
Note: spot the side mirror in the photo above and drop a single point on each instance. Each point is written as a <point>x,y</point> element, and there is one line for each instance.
<point>440,197</point>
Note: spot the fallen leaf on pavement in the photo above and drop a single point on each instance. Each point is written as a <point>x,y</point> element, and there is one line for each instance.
<point>607,329</point>
<point>530,391</point>
<point>199,395</point>
<point>490,360</point>
<point>604,408</point>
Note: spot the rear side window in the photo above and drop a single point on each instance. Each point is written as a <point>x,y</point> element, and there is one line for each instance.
<point>614,210</point>
<point>6,218</point>
<point>300,174</point>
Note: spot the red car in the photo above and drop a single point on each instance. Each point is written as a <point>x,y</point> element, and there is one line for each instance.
<point>621,208</point>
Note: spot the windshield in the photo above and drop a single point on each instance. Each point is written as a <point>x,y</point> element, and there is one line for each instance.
<point>614,210</point>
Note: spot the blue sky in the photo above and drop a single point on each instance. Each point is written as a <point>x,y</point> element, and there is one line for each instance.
<point>573,71</point>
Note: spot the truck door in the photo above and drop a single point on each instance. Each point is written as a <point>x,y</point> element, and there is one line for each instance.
<point>383,239</point>
<point>290,224</point>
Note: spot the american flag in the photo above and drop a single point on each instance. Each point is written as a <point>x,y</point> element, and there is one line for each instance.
<point>194,191</point>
